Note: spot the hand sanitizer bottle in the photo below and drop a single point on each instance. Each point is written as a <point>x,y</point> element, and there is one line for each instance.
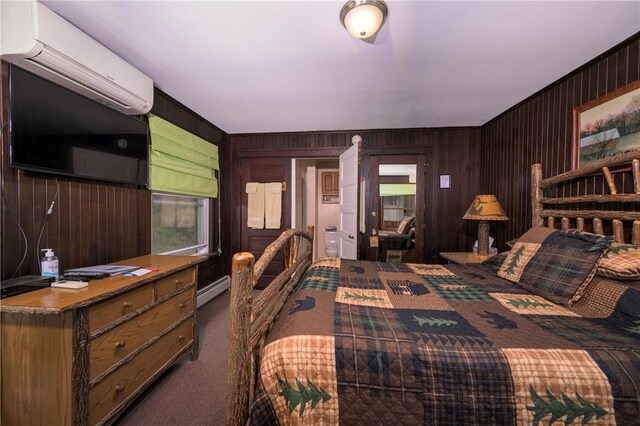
<point>49,264</point>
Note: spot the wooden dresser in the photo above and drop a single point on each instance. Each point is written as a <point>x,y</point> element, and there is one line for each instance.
<point>81,356</point>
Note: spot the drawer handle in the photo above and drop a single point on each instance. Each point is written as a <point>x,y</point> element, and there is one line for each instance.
<point>181,337</point>
<point>120,345</point>
<point>119,388</point>
<point>127,304</point>
<point>182,305</point>
<point>178,282</point>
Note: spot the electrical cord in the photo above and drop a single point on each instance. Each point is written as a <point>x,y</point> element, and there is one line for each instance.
<point>5,203</point>
<point>44,225</point>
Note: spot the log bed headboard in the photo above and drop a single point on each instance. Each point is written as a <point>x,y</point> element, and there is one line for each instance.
<point>610,207</point>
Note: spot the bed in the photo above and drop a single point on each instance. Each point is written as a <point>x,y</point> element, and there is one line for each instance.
<point>359,342</point>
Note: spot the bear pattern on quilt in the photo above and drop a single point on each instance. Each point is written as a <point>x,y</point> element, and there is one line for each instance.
<point>389,343</point>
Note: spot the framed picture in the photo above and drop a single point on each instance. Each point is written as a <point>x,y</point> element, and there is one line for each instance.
<point>607,126</point>
<point>445,181</point>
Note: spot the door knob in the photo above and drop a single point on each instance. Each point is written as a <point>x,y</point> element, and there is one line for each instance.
<point>374,214</point>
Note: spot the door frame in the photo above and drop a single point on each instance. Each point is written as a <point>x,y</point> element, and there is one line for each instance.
<point>370,162</point>
<point>236,178</point>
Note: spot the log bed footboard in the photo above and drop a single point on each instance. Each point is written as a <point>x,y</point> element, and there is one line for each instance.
<point>249,320</point>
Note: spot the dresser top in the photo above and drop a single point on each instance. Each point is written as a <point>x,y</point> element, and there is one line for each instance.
<point>53,300</point>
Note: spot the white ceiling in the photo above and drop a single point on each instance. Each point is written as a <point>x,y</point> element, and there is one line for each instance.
<point>268,66</point>
<point>397,169</point>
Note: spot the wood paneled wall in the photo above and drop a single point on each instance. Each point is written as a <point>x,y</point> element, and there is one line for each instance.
<point>540,130</point>
<point>455,151</point>
<point>93,222</point>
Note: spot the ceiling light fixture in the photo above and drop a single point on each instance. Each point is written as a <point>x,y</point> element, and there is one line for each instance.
<point>363,18</point>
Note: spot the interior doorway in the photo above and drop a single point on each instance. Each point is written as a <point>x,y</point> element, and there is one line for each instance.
<point>315,197</point>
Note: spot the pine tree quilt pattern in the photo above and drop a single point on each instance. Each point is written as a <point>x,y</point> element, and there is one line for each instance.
<point>367,343</point>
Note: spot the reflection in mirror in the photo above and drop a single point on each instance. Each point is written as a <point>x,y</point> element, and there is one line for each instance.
<point>397,194</point>
<point>397,211</point>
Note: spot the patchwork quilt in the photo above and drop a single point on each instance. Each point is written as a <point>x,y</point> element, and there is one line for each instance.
<point>391,343</point>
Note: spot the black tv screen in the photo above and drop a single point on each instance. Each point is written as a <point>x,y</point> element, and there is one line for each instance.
<point>55,130</point>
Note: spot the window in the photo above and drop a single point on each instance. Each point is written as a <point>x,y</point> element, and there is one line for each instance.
<point>396,208</point>
<point>179,224</point>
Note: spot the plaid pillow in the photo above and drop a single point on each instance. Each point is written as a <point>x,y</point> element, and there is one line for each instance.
<point>620,261</point>
<point>605,297</point>
<point>554,264</point>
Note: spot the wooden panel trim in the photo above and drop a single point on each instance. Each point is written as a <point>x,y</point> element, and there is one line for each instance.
<point>195,348</point>
<point>635,166</point>
<point>291,152</point>
<point>360,132</point>
<point>398,149</point>
<point>80,367</point>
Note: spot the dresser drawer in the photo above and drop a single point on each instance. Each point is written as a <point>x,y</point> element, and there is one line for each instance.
<point>114,390</point>
<point>108,349</point>
<point>175,282</point>
<point>106,312</point>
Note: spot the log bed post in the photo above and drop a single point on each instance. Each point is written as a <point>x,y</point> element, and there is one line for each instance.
<point>239,354</point>
<point>250,320</point>
<point>635,167</point>
<point>536,195</point>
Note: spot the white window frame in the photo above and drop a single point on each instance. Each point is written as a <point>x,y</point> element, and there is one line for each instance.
<point>202,248</point>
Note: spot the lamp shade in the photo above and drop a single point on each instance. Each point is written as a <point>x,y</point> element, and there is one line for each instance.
<point>363,18</point>
<point>485,207</point>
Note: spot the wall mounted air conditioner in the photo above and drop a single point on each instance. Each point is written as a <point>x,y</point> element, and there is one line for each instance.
<point>36,39</point>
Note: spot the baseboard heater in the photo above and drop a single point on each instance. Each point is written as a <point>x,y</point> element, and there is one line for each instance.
<point>214,289</point>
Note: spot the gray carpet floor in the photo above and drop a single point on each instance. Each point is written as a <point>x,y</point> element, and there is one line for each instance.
<point>191,393</point>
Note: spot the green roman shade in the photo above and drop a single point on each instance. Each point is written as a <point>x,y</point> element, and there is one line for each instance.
<point>180,162</point>
<point>395,189</point>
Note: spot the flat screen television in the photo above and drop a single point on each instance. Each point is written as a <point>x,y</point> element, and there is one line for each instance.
<point>55,130</point>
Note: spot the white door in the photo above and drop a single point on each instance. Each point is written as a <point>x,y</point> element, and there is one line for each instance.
<point>349,203</point>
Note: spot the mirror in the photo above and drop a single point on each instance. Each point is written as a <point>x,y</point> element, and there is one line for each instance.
<point>396,212</point>
<point>397,192</point>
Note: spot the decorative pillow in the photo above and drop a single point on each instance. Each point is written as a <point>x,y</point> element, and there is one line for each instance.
<point>405,225</point>
<point>605,297</point>
<point>554,264</point>
<point>621,262</point>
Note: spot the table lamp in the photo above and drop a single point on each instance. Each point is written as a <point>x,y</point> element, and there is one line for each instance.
<point>484,208</point>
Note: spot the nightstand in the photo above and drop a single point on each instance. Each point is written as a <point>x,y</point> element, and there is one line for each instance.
<point>463,257</point>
